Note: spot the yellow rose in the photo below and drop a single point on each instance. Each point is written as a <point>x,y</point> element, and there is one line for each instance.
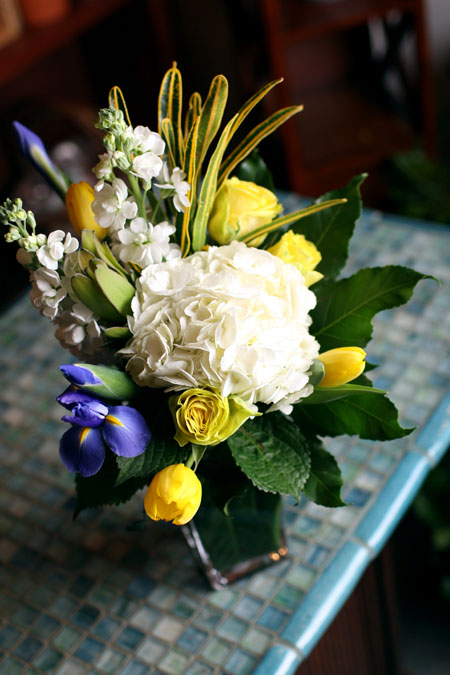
<point>298,251</point>
<point>206,418</point>
<point>174,495</point>
<point>79,198</point>
<point>342,365</point>
<point>241,207</point>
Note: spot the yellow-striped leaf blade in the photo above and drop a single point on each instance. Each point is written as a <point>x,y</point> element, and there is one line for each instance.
<point>208,190</point>
<point>190,170</point>
<point>194,110</point>
<point>289,218</point>
<point>251,103</point>
<point>170,103</point>
<point>211,116</point>
<point>168,135</point>
<point>116,100</point>
<point>265,128</point>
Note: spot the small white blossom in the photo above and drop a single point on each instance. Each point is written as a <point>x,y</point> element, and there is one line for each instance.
<point>78,330</point>
<point>148,141</point>
<point>58,245</point>
<point>47,292</point>
<point>112,206</point>
<point>177,185</point>
<point>104,167</point>
<point>147,166</point>
<point>146,244</point>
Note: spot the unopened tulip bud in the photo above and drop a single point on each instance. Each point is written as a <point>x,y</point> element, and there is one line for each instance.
<point>79,198</point>
<point>342,365</point>
<point>174,495</point>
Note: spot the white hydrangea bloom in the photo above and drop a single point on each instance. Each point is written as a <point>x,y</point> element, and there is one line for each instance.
<point>58,245</point>
<point>232,318</point>
<point>112,206</point>
<point>178,185</point>
<point>46,292</point>
<point>145,244</point>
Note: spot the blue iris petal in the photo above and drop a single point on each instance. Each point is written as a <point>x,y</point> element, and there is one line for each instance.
<point>126,432</point>
<point>82,450</point>
<point>90,414</point>
<point>73,395</point>
<point>78,375</point>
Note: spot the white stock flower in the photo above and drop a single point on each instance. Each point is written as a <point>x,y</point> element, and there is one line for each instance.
<point>46,292</point>
<point>232,318</point>
<point>104,167</point>
<point>145,244</point>
<point>149,164</point>
<point>112,206</point>
<point>58,245</point>
<point>78,330</point>
<point>147,141</point>
<point>178,185</point>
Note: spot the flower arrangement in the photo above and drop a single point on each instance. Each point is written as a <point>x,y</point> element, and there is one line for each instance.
<point>214,345</point>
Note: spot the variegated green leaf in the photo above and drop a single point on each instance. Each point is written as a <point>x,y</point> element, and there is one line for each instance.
<point>211,117</point>
<point>252,139</point>
<point>88,241</point>
<point>251,103</point>
<point>168,135</point>
<point>282,221</point>
<point>208,190</point>
<point>169,106</point>
<point>105,254</point>
<point>117,101</point>
<point>190,169</point>
<point>194,110</point>
<point>90,295</point>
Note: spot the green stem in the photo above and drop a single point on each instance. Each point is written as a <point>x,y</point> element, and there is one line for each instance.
<point>137,194</point>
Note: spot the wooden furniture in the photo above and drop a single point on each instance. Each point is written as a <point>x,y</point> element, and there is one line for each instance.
<point>344,62</point>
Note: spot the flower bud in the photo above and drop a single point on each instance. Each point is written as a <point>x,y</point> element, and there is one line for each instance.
<point>298,251</point>
<point>120,160</point>
<point>342,365</point>
<point>109,141</point>
<point>79,198</point>
<point>174,495</point>
<point>100,380</point>
<point>239,208</point>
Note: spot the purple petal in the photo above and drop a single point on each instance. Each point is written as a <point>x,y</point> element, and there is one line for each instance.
<point>82,450</point>
<point>90,414</point>
<point>26,139</point>
<point>73,395</point>
<point>126,432</point>
<point>78,375</point>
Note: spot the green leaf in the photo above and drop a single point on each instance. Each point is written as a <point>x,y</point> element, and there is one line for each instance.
<point>255,170</point>
<point>88,241</point>
<point>117,289</point>
<point>89,294</point>
<point>194,110</point>
<point>104,253</point>
<point>331,230</point>
<point>116,100</point>
<point>334,393</point>
<point>346,308</point>
<point>170,103</point>
<point>190,170</point>
<point>211,117</point>
<point>118,332</point>
<point>273,453</point>
<point>253,139</point>
<point>208,191</point>
<point>160,452</point>
<point>168,135</point>
<point>325,480</point>
<point>368,416</point>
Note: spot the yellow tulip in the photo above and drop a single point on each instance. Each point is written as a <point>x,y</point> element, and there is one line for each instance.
<point>298,251</point>
<point>174,495</point>
<point>342,365</point>
<point>239,208</point>
<point>79,198</point>
<point>207,418</point>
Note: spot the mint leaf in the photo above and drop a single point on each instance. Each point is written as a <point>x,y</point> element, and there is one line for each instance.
<point>273,453</point>
<point>346,308</point>
<point>325,480</point>
<point>160,452</point>
<point>368,416</point>
<point>331,229</point>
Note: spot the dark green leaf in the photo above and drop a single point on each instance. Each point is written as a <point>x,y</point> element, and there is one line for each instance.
<point>331,230</point>
<point>273,453</point>
<point>325,480</point>
<point>368,416</point>
<point>346,308</point>
<point>161,452</point>
<point>255,169</point>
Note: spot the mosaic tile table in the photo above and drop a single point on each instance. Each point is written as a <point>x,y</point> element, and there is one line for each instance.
<point>91,596</point>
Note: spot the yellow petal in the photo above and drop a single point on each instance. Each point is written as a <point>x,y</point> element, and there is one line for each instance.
<point>342,365</point>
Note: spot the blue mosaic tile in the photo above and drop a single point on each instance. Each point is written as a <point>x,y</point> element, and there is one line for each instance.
<point>85,616</point>
<point>272,618</point>
<point>28,649</point>
<point>129,638</point>
<point>106,628</point>
<point>89,650</point>
<point>240,663</point>
<point>46,626</point>
<point>48,660</point>
<point>192,639</point>
<point>11,667</point>
<point>135,668</point>
<point>8,636</point>
<point>141,587</point>
<point>248,608</point>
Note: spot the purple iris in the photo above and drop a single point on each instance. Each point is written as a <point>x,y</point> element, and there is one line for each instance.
<point>96,425</point>
<point>33,149</point>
